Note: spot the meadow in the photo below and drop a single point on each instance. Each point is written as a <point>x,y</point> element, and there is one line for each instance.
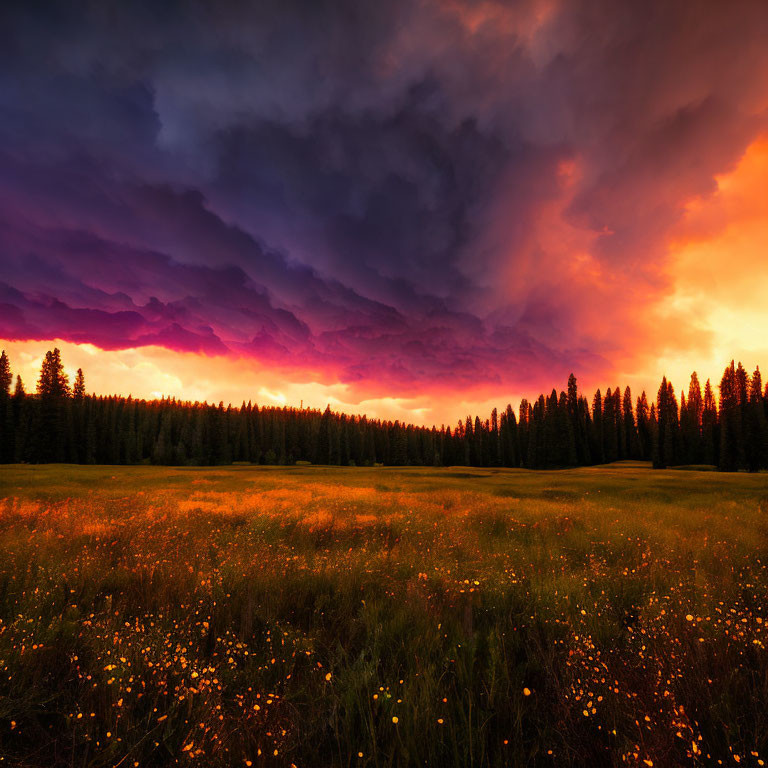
<point>313,616</point>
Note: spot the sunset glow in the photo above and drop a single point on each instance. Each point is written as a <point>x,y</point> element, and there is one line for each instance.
<point>415,242</point>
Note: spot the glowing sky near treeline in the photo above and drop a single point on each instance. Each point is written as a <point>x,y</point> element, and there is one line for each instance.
<point>410,209</point>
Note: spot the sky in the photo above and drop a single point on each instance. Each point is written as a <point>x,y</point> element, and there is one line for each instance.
<point>414,209</point>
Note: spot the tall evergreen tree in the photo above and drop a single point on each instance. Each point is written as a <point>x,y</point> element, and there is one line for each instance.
<point>78,389</point>
<point>578,424</point>
<point>653,434</point>
<point>7,426</point>
<point>53,381</point>
<point>709,427</point>
<point>691,419</point>
<point>643,427</point>
<point>495,441</point>
<point>597,443</point>
<point>585,427</point>
<point>51,435</point>
<point>6,377</point>
<point>21,421</point>
<point>730,419</point>
<point>510,452</point>
<point>567,453</point>
<point>667,425</point>
<point>755,426</point>
<point>610,433</point>
<point>631,450</point>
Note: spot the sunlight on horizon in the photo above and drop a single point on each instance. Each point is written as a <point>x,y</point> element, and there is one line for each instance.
<point>726,305</point>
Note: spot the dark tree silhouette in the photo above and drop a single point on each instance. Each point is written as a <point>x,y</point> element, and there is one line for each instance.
<point>643,417</point>
<point>597,443</point>
<point>629,430</point>
<point>755,426</point>
<point>559,430</point>
<point>51,432</point>
<point>691,420</point>
<point>710,439</point>
<point>7,427</point>
<point>78,389</point>
<point>6,377</point>
<point>667,425</point>
<point>730,415</point>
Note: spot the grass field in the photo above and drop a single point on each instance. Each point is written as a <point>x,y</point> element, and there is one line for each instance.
<point>382,617</point>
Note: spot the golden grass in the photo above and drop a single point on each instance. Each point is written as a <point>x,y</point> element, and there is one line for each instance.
<point>380,617</point>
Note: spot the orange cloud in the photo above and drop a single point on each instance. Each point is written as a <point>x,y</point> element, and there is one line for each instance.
<point>716,309</point>
<point>718,267</point>
<point>154,372</point>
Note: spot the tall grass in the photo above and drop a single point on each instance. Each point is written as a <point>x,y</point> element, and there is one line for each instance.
<point>349,617</point>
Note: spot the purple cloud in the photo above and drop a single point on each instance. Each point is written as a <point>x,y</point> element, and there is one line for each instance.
<point>404,199</point>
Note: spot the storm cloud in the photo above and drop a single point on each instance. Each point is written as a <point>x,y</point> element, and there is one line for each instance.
<point>399,196</point>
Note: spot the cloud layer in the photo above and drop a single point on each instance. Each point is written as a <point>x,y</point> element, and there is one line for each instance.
<point>402,197</point>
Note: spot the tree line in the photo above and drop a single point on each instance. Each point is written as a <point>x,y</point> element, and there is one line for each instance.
<point>60,422</point>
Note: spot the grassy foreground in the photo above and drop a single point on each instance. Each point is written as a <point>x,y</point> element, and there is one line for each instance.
<point>382,617</point>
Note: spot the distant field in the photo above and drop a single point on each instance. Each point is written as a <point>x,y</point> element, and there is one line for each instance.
<point>382,617</point>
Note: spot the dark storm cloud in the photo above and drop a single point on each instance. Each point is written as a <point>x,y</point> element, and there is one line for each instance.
<point>393,194</point>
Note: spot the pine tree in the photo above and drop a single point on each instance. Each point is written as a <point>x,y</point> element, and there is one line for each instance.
<point>478,458</point>
<point>731,432</point>
<point>629,432</point>
<point>19,407</point>
<point>618,424</point>
<point>53,382</point>
<point>78,441</point>
<point>551,437</point>
<point>597,442</point>
<point>610,438</point>
<point>653,432</point>
<point>643,427</point>
<point>524,417</point>
<point>495,442</point>
<point>685,447</point>
<point>672,434</point>
<point>755,426</point>
<point>7,426</point>
<point>580,434</point>
<point>510,455</point>
<point>665,453</point>
<point>691,416</point>
<point>709,427</point>
<point>51,434</point>
<point>6,377</point>
<point>568,456</point>
<point>78,390</point>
